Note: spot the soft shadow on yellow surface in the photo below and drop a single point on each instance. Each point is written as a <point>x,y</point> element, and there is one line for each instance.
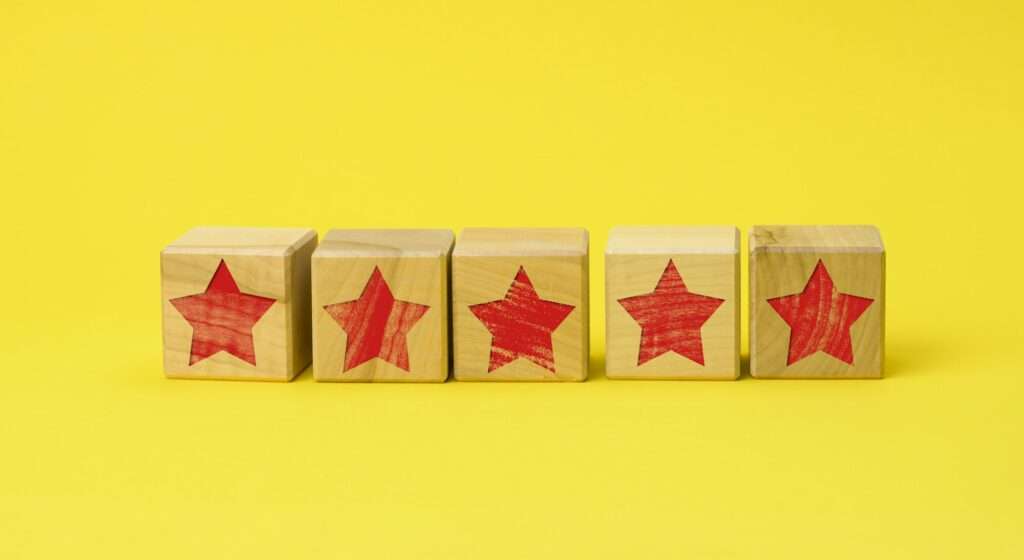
<point>597,372</point>
<point>124,124</point>
<point>914,355</point>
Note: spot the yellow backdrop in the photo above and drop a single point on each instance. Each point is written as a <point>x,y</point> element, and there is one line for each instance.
<point>122,124</point>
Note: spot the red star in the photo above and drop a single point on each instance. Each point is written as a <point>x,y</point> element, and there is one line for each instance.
<point>820,317</point>
<point>670,318</point>
<point>521,324</point>
<point>222,318</point>
<point>376,324</point>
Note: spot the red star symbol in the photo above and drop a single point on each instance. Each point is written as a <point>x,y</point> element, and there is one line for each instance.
<point>222,318</point>
<point>521,324</point>
<point>670,318</point>
<point>376,324</point>
<point>820,317</point>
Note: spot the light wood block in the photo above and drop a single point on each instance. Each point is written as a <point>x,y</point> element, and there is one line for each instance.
<point>817,302</point>
<point>236,303</point>
<point>520,304</point>
<point>380,305</point>
<point>672,302</point>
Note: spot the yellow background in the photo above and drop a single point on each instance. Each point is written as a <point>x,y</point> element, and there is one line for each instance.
<point>122,124</point>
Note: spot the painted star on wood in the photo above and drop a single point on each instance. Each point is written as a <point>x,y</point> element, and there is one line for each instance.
<point>222,318</point>
<point>521,324</point>
<point>670,318</point>
<point>820,318</point>
<point>376,324</point>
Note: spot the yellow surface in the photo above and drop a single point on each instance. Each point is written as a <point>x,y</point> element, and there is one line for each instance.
<point>124,124</point>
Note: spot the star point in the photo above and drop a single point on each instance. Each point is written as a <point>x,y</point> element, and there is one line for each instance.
<point>820,318</point>
<point>670,318</point>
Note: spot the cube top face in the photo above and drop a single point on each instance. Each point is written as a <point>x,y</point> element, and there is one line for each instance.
<point>387,242</point>
<point>672,303</point>
<point>658,240</point>
<point>836,239</point>
<point>242,240</point>
<point>380,305</point>
<point>549,242</point>
<point>233,310</point>
<point>817,302</point>
<point>520,305</point>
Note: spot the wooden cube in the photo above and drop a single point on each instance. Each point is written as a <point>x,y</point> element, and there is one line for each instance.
<point>380,305</point>
<point>817,302</point>
<point>520,306</point>
<point>236,303</point>
<point>672,302</point>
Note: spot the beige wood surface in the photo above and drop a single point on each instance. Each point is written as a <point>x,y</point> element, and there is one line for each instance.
<point>298,260</point>
<point>242,240</point>
<point>265,262</point>
<point>707,259</point>
<point>414,264</point>
<point>516,242</point>
<point>782,260</point>
<point>662,240</point>
<point>834,239</point>
<point>485,263</point>
<point>387,243</point>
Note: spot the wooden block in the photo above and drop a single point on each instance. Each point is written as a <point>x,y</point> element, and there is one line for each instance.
<point>380,305</point>
<point>520,306</point>
<point>236,303</point>
<point>817,302</point>
<point>672,302</point>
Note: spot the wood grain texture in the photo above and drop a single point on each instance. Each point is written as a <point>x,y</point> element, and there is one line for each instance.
<point>266,262</point>
<point>804,239</point>
<point>493,265</point>
<point>835,264</point>
<point>707,261</point>
<point>413,266</point>
<point>522,242</point>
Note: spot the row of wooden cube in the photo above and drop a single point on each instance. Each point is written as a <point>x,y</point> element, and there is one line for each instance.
<point>374,305</point>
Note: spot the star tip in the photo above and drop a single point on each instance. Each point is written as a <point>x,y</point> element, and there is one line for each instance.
<point>522,277</point>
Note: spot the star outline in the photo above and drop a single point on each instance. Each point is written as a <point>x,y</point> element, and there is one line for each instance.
<point>208,312</point>
<point>812,330</point>
<point>388,334</point>
<point>657,338</point>
<point>548,316</point>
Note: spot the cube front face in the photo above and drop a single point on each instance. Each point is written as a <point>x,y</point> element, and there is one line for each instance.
<point>816,313</point>
<point>236,312</point>
<point>672,316</point>
<point>380,318</point>
<point>520,318</point>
